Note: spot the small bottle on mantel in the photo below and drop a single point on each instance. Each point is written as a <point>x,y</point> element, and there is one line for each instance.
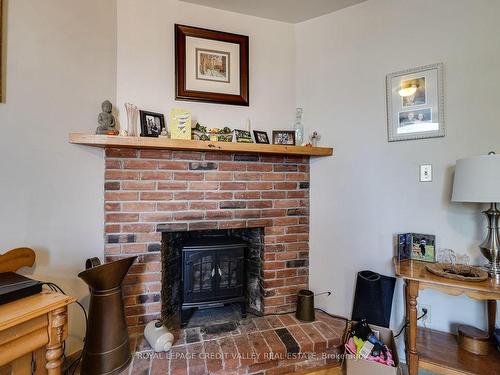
<point>248,125</point>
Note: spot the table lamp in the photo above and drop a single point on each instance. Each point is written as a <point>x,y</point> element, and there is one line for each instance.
<point>477,179</point>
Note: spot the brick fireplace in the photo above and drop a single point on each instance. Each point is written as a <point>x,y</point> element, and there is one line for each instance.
<point>152,192</point>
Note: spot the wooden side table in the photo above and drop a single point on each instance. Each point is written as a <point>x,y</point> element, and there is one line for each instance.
<point>438,351</point>
<point>32,328</point>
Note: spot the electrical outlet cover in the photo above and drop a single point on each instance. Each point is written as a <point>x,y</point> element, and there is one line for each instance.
<point>426,173</point>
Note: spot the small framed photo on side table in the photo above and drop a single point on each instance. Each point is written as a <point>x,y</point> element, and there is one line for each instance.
<point>417,246</point>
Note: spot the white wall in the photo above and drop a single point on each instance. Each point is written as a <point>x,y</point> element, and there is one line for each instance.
<point>60,65</point>
<point>369,189</point>
<point>146,63</point>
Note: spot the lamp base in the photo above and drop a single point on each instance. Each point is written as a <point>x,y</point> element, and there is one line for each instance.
<point>490,248</point>
<point>493,270</point>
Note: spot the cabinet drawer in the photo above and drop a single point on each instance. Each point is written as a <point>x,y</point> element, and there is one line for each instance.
<point>23,338</point>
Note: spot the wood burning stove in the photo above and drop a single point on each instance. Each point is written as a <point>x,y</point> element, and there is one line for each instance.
<point>213,273</point>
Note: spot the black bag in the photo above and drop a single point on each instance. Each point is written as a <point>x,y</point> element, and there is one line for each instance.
<point>373,298</point>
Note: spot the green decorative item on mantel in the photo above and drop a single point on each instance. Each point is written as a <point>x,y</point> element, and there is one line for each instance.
<point>224,135</point>
<point>200,133</point>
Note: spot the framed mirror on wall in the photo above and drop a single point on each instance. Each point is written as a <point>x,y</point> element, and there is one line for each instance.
<point>415,103</point>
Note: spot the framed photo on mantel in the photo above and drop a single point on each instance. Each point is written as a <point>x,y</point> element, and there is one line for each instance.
<point>415,103</point>
<point>211,66</point>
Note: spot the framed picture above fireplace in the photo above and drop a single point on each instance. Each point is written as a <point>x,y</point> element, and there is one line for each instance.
<point>211,66</point>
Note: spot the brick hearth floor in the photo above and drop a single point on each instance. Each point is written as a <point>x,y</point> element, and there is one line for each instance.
<point>271,345</point>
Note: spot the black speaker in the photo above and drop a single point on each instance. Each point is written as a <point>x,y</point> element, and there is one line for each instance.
<point>373,298</point>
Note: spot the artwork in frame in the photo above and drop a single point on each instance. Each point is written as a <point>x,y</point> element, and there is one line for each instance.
<point>417,98</point>
<point>180,123</point>
<point>151,124</point>
<point>417,246</point>
<point>211,66</point>
<point>284,137</point>
<point>260,137</point>
<point>415,103</point>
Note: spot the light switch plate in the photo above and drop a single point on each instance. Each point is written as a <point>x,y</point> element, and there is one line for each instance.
<point>426,173</point>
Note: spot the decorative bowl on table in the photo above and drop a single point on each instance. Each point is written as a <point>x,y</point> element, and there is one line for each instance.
<point>458,272</point>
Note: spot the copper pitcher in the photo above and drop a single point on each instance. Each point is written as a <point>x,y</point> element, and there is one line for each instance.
<point>106,349</point>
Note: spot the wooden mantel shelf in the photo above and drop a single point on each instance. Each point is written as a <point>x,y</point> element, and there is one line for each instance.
<point>182,144</point>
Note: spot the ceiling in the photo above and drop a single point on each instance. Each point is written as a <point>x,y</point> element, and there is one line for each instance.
<point>292,11</point>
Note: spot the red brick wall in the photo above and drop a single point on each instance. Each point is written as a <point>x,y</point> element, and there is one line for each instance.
<point>149,191</point>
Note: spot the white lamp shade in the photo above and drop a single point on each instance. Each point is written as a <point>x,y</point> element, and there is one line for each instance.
<point>477,179</point>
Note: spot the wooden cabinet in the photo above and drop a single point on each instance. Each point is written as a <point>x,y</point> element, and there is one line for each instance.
<point>439,351</point>
<point>32,334</point>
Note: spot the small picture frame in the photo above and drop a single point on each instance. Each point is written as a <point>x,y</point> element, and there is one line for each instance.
<point>284,137</point>
<point>243,136</point>
<point>417,246</point>
<point>260,137</point>
<point>151,123</point>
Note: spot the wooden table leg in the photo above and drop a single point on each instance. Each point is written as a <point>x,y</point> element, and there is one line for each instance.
<point>407,319</point>
<point>411,302</point>
<point>492,316</point>
<point>58,330</point>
